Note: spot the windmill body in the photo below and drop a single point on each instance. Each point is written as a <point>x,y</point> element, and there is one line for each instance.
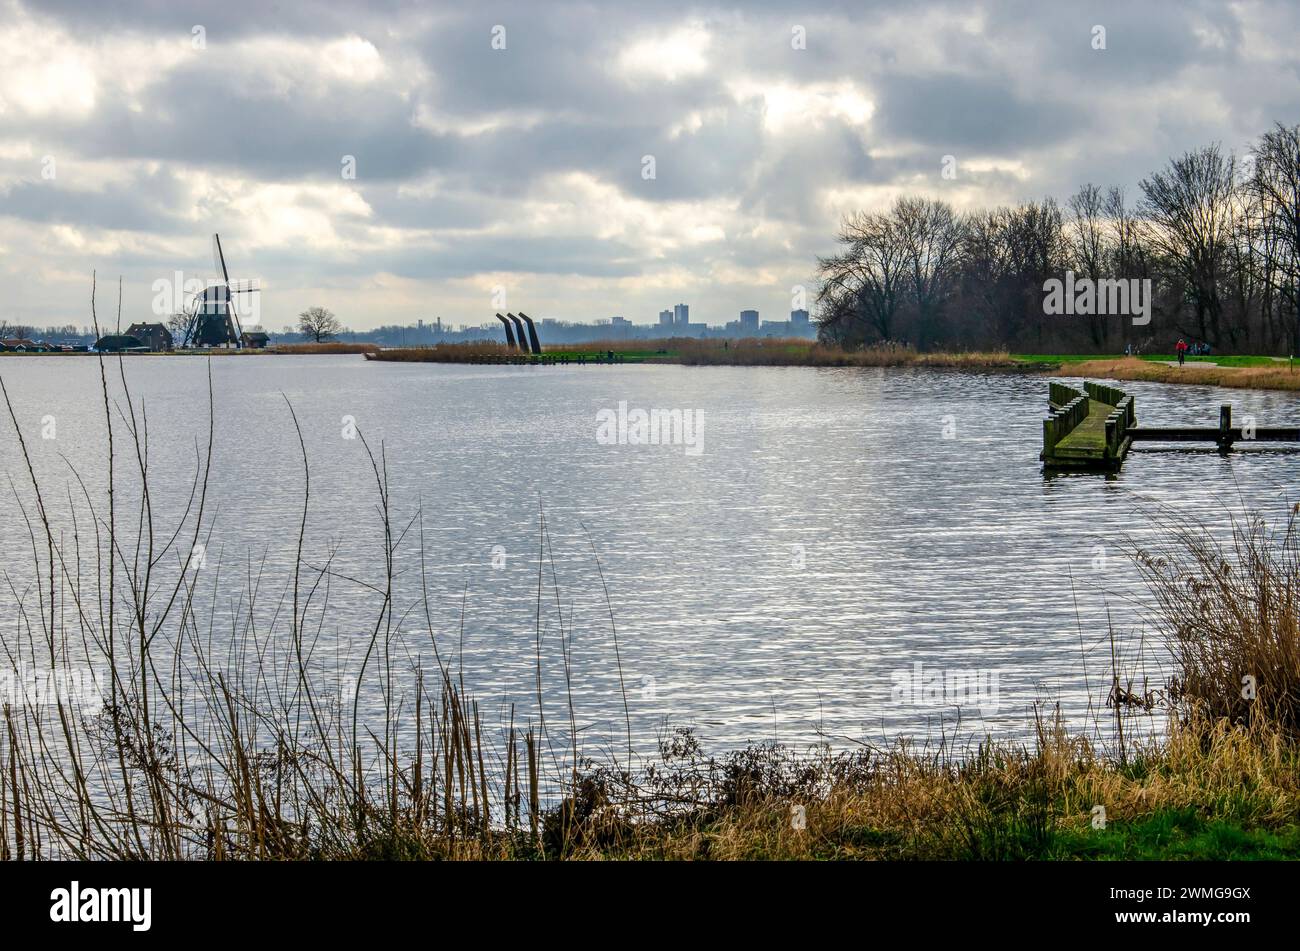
<point>214,318</point>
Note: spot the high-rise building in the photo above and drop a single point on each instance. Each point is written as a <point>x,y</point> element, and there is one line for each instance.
<point>749,321</point>
<point>681,315</point>
<point>665,318</point>
<point>798,318</point>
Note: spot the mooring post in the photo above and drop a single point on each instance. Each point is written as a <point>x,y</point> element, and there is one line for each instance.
<point>1225,427</point>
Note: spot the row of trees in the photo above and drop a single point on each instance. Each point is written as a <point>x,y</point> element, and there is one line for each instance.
<point>1218,237</point>
<point>27,331</point>
<point>314,323</point>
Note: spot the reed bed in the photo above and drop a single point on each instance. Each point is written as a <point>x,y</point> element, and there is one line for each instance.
<point>798,352</point>
<point>323,347</point>
<point>478,352</point>
<point>1230,614</point>
<point>767,351</point>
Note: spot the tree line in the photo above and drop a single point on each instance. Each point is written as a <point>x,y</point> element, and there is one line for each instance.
<point>1217,236</point>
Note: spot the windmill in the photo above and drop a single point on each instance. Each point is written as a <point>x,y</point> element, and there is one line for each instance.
<point>214,319</point>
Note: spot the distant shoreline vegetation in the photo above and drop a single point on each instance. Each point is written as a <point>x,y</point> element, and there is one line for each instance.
<point>282,349</point>
<point>1239,372</point>
<point>767,351</point>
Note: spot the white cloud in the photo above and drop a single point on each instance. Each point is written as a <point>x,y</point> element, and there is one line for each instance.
<point>788,107</point>
<point>670,56</point>
<point>45,72</point>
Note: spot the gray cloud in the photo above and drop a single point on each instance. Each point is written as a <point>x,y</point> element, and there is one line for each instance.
<point>528,161</point>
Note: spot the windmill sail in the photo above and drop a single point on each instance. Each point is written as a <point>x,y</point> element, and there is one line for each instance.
<point>219,260</point>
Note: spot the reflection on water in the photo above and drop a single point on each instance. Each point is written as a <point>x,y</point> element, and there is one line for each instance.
<point>851,553</point>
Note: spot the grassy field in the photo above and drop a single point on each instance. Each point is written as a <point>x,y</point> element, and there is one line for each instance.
<point>1263,376</point>
<point>1062,359</point>
<point>1238,360</point>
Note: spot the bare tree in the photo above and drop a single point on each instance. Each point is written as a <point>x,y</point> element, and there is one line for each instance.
<point>17,331</point>
<point>1189,210</point>
<point>1090,254</point>
<point>865,281</point>
<point>319,324</point>
<point>1032,236</point>
<point>990,297</point>
<point>930,236</point>
<point>1274,184</point>
<point>179,325</point>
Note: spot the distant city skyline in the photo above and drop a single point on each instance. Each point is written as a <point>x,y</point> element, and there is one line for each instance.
<point>435,330</point>
<point>391,163</point>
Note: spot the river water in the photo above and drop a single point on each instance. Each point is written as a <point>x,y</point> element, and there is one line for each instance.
<point>798,566</point>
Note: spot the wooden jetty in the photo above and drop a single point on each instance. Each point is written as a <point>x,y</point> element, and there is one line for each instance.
<point>1094,430</point>
<point>1088,430</point>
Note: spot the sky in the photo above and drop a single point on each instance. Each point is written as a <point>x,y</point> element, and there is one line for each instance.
<point>395,162</point>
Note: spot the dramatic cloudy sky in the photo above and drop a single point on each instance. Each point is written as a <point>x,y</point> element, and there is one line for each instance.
<point>123,147</point>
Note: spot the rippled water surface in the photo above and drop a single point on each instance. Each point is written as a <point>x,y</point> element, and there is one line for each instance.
<point>838,528</point>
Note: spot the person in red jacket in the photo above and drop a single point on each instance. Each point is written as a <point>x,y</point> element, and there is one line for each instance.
<point>1182,350</point>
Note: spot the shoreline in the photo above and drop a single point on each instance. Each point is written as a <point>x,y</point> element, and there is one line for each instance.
<point>1282,376</point>
<point>285,350</point>
<point>1236,372</point>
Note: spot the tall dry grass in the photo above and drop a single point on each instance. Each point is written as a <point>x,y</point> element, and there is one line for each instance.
<point>691,351</point>
<point>331,346</point>
<point>1228,611</point>
<point>798,352</point>
<point>475,352</point>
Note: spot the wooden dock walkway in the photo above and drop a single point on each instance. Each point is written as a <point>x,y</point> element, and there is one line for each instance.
<point>1094,429</point>
<point>1088,430</point>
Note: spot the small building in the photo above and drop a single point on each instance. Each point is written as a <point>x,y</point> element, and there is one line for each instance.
<point>155,337</point>
<point>18,345</point>
<point>255,339</point>
<point>120,343</point>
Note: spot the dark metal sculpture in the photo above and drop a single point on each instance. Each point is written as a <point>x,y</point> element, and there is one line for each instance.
<point>510,334</point>
<point>519,325</point>
<point>532,334</point>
